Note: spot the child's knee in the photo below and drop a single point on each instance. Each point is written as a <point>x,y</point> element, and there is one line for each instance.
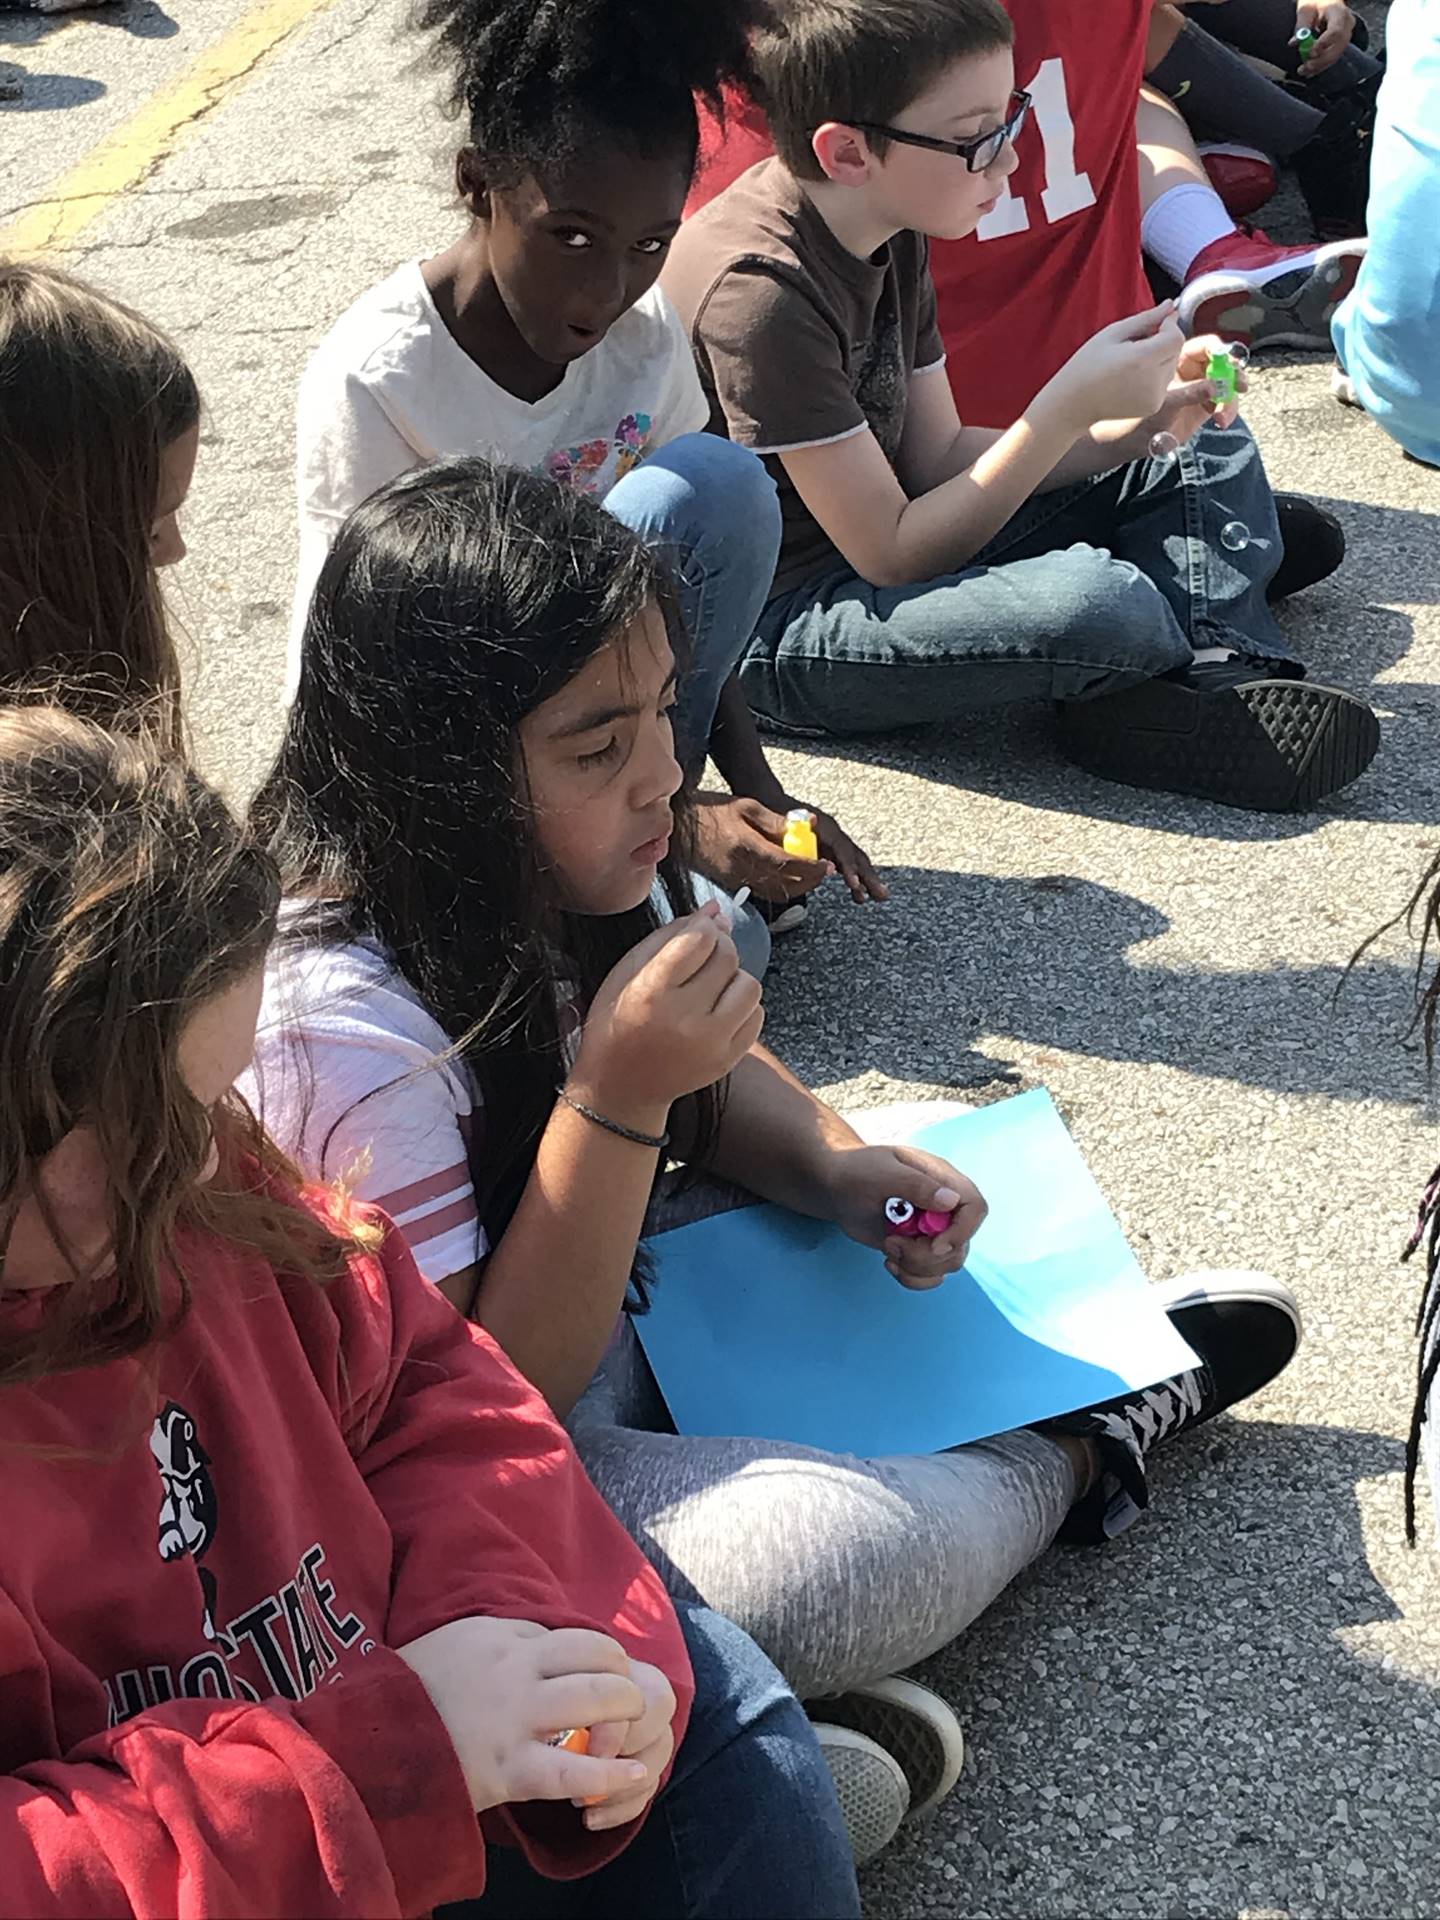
<point>1117,613</point>
<point>730,485</point>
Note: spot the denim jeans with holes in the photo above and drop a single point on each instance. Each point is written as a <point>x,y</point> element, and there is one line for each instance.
<point>1084,591</point>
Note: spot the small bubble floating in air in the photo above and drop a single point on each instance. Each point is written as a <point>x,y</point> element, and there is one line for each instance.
<point>1235,536</point>
<point>1164,447</point>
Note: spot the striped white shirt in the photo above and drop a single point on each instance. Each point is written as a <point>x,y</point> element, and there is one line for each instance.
<point>346,1081</point>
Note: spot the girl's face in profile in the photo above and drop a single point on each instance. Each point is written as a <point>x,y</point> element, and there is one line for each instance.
<point>600,768</point>
<point>177,470</point>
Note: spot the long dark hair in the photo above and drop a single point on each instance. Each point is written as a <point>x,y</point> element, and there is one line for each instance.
<point>453,602</point>
<point>91,397</point>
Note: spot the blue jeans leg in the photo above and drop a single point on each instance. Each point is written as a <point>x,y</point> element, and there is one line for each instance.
<point>711,511</point>
<point>748,1827</point>
<point>1085,591</point>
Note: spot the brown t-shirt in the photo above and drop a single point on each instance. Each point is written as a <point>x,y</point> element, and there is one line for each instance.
<point>799,343</point>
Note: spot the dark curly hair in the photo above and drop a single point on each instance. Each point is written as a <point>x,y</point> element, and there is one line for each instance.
<point>539,81</point>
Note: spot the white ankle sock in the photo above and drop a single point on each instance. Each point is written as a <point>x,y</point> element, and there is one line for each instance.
<point>1181,224</point>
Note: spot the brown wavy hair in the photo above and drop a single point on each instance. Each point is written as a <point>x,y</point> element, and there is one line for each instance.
<point>129,896</point>
<point>91,397</point>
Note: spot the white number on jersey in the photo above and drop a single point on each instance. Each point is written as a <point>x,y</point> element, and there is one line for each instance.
<point>1066,191</point>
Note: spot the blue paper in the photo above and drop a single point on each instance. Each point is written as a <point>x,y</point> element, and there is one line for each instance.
<point>771,1325</point>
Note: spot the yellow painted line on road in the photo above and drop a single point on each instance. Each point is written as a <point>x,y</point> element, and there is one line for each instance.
<point>159,129</point>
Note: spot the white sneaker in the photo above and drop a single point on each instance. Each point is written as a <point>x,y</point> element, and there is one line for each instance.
<point>1343,387</point>
<point>871,1786</point>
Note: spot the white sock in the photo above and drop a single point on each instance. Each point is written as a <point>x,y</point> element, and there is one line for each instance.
<point>1181,224</point>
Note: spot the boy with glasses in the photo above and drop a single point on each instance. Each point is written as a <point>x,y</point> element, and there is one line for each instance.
<point>929,569</point>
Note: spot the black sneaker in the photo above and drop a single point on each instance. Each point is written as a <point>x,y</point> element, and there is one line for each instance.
<point>1245,1329</point>
<point>910,1722</point>
<point>1333,167</point>
<point>1314,546</point>
<point>1231,730</point>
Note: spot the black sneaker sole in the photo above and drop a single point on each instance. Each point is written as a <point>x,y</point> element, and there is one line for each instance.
<point>1272,746</point>
<point>1245,1328</point>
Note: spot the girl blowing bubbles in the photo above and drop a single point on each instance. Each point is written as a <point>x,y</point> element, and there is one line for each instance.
<point>540,338</point>
<point>99,425</point>
<point>475,1014</point>
<point>298,1575</point>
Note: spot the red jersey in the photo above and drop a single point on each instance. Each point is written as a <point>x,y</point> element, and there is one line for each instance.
<point>1059,257</point>
<point>206,1560</point>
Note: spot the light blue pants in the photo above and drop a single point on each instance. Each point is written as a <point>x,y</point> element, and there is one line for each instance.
<point>1387,333</point>
<point>711,511</point>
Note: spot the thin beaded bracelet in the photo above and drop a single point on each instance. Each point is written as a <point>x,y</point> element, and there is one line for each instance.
<point>656,1141</point>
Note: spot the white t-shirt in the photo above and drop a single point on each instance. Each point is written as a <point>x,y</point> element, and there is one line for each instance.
<point>389,388</point>
<point>345,1080</point>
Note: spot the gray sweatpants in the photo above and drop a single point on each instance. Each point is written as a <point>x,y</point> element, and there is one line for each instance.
<point>842,1569</point>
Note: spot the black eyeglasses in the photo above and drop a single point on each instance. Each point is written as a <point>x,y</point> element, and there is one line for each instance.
<point>978,154</point>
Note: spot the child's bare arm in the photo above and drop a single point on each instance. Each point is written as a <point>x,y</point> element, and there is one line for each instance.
<point>936,447</point>
<point>892,540</point>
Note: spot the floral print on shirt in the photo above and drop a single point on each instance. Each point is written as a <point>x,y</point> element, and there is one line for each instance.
<point>594,466</point>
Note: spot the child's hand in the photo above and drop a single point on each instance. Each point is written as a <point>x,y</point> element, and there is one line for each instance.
<point>650,1739</point>
<point>739,846</point>
<point>676,1014</point>
<point>853,862</point>
<point>1333,25</point>
<point>503,1687</point>
<point>862,1179</point>
<point>1124,371</point>
<point>1191,399</point>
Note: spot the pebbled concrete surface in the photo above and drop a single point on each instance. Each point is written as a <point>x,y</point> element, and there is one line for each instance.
<point>1233,1711</point>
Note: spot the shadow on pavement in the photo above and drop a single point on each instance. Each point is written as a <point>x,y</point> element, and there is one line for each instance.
<point>143,19</point>
<point>23,90</point>
<point>1174,1723</point>
<point>1346,630</point>
<point>1058,962</point>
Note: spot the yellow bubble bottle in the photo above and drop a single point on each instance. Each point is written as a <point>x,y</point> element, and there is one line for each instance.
<point>800,834</point>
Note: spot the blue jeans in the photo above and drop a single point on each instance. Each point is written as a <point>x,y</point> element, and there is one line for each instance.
<point>747,1828</point>
<point>710,510</point>
<point>1085,591</point>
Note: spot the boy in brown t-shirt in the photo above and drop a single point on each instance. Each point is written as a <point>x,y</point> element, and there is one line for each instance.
<point>1103,551</point>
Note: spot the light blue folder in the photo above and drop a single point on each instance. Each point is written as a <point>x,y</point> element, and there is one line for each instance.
<point>768,1324</point>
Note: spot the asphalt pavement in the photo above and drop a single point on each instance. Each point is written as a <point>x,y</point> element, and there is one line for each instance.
<point>1233,1711</point>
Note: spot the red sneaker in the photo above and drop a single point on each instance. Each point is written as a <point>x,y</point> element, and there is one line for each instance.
<point>1244,287</point>
<point>1244,178</point>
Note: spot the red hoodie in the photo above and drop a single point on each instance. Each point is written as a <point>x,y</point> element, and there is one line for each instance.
<point>199,1711</point>
<point>1059,258</point>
